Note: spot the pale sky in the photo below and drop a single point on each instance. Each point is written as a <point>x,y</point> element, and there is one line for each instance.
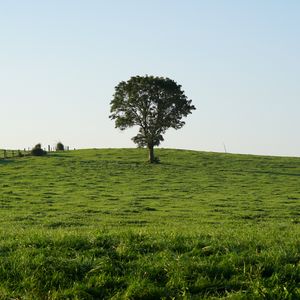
<point>239,61</point>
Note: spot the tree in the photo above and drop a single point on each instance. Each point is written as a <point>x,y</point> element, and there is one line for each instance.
<point>152,103</point>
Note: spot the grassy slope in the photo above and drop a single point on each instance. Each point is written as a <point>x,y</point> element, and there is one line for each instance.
<point>96,224</point>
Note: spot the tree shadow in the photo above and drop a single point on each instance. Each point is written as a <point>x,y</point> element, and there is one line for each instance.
<point>54,154</point>
<point>5,161</point>
<point>278,173</point>
<point>267,173</point>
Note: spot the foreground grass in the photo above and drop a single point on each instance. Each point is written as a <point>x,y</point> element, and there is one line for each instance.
<point>101,224</point>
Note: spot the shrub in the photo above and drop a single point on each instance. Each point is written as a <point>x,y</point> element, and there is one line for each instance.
<point>20,154</point>
<point>60,146</point>
<point>38,151</point>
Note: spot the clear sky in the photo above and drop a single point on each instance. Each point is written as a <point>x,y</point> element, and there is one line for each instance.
<point>239,61</point>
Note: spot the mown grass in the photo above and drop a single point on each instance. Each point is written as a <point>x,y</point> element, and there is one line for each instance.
<point>104,224</point>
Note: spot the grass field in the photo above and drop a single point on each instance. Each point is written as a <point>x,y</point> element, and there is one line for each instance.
<point>104,224</point>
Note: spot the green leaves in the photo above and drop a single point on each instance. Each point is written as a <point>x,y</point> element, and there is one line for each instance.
<point>152,103</point>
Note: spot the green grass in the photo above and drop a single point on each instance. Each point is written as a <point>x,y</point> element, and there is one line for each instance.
<point>104,224</point>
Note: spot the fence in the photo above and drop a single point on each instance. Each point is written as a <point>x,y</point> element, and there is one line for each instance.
<point>13,153</point>
<point>4,153</point>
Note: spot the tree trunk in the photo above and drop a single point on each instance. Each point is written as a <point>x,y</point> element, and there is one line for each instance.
<point>151,154</point>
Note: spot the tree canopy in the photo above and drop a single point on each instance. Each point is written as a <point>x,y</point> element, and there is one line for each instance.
<point>152,103</point>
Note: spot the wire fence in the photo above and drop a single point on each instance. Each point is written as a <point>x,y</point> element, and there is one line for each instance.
<point>6,153</point>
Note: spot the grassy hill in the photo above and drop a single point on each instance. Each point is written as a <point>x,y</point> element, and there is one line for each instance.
<point>102,224</point>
